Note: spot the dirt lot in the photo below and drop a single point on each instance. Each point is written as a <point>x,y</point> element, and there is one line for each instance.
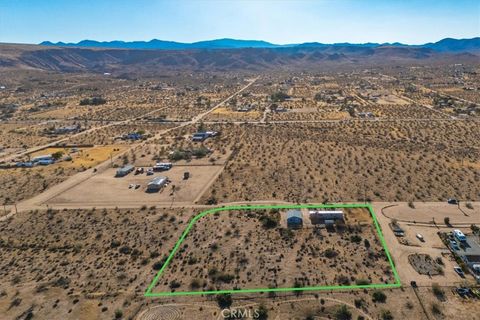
<point>105,189</point>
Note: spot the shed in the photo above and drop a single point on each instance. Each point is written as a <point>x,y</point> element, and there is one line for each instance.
<point>294,219</point>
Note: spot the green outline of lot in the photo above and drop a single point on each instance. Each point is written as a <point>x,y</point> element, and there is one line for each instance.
<point>397,284</point>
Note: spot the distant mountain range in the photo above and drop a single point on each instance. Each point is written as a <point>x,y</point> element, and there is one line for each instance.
<point>444,45</point>
<point>155,57</point>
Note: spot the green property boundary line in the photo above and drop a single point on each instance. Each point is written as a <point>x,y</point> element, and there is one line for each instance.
<point>397,284</point>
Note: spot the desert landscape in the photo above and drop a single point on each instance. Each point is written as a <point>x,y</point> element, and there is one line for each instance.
<point>239,179</point>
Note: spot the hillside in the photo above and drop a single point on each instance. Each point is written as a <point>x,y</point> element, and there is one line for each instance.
<point>66,59</point>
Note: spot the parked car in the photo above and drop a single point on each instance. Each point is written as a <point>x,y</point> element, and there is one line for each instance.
<point>149,172</point>
<point>420,237</point>
<point>139,171</point>
<point>463,292</point>
<point>454,245</point>
<point>452,201</point>
<point>459,271</point>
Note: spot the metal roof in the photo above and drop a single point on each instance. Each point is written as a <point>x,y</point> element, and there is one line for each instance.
<point>294,213</point>
<point>158,181</point>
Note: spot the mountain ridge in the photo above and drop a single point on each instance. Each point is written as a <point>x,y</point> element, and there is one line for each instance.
<point>127,61</point>
<point>444,45</point>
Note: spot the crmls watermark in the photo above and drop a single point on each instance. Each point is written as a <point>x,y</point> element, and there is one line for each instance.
<point>240,313</point>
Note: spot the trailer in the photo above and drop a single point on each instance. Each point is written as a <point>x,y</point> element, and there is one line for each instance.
<point>123,171</point>
<point>156,184</point>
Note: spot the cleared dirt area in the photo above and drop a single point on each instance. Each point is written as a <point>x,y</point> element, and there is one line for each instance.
<point>105,189</point>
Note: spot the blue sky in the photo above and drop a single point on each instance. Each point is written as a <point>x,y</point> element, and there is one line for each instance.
<point>279,21</point>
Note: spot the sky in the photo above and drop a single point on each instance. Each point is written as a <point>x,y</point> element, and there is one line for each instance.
<point>276,21</point>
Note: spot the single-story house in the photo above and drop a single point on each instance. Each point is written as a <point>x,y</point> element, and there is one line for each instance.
<point>325,216</point>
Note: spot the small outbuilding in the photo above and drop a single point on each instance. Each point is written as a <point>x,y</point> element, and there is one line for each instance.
<point>294,219</point>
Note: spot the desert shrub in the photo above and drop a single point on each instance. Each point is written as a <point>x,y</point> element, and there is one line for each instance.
<point>475,228</point>
<point>446,220</point>
<point>366,243</point>
<point>330,253</point>
<point>200,152</point>
<point>158,265</point>
<point>436,309</point>
<point>224,300</point>
<point>279,96</point>
<point>118,314</point>
<point>225,277</point>
<point>356,238</point>
<point>125,250</point>
<point>57,155</point>
<point>114,244</point>
<point>286,233</point>
<point>342,313</point>
<point>359,303</point>
<point>195,284</point>
<point>192,260</point>
<point>343,280</point>
<point>379,296</point>
<point>386,315</point>
<point>174,284</point>
<point>178,155</point>
<point>262,313</point>
<point>437,291</point>
<point>268,222</point>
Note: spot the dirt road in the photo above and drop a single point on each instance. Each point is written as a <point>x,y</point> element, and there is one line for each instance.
<point>37,201</point>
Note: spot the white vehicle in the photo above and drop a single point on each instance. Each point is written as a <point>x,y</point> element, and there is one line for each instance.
<point>420,237</point>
